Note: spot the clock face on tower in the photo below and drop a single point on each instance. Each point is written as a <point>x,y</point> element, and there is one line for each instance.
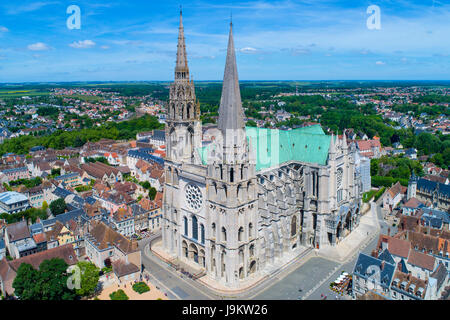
<point>194,198</point>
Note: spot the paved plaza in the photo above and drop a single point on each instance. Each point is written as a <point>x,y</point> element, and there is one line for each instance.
<point>309,278</point>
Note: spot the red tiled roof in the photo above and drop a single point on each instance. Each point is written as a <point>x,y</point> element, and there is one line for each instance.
<point>40,237</point>
<point>412,203</point>
<point>421,260</point>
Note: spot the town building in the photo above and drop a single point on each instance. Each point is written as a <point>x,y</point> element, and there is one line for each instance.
<point>13,202</point>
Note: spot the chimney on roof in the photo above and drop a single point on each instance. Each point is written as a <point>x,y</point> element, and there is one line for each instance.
<point>374,253</point>
<point>389,231</point>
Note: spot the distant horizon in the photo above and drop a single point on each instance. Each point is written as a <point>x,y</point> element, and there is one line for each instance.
<point>171,80</point>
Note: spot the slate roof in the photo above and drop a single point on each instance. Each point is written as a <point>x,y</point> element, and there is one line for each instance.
<point>18,231</point>
<point>143,155</point>
<point>440,274</point>
<point>402,266</point>
<point>71,215</point>
<point>61,193</point>
<point>365,261</point>
<point>386,256</point>
<point>36,228</point>
<point>430,186</point>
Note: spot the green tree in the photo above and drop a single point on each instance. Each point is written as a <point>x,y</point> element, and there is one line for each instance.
<point>146,185</point>
<point>53,280</point>
<point>119,295</point>
<point>152,193</point>
<point>251,123</point>
<point>89,278</point>
<point>25,283</point>
<point>58,206</point>
<point>438,159</point>
<point>47,283</point>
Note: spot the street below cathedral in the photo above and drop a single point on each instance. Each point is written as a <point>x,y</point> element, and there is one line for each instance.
<point>309,279</point>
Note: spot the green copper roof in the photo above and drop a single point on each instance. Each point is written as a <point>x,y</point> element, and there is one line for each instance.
<point>273,147</point>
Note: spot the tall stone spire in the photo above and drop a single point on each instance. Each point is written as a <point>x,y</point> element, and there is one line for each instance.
<point>231,114</point>
<point>181,68</point>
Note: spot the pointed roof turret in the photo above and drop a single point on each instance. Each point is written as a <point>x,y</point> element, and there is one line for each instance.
<point>231,114</point>
<point>332,147</point>
<point>181,68</point>
<point>344,140</point>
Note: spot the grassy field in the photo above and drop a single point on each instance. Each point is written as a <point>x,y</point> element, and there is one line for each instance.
<point>22,93</point>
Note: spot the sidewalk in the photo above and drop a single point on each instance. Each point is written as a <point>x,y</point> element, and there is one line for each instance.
<point>359,237</point>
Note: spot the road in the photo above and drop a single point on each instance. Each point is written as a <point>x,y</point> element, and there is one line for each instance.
<point>167,279</point>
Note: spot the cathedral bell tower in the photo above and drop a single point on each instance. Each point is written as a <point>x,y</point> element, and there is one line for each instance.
<point>183,138</point>
<point>183,126</point>
<point>231,185</point>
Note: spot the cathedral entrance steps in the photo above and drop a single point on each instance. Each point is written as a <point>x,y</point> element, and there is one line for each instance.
<point>356,240</point>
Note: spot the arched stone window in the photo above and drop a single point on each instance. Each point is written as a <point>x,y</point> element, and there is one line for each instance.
<point>251,250</point>
<point>185,226</point>
<point>188,111</point>
<point>294,226</point>
<point>213,230</point>
<point>194,227</point>
<point>250,230</point>
<point>223,263</point>
<point>231,175</point>
<point>224,234</point>
<point>202,233</point>
<point>241,234</point>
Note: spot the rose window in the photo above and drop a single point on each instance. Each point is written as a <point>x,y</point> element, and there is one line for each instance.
<point>194,198</point>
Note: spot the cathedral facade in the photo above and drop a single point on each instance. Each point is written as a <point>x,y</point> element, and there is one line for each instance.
<point>241,201</point>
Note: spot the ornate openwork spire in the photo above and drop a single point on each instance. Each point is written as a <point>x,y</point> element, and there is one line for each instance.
<point>231,114</point>
<point>181,68</point>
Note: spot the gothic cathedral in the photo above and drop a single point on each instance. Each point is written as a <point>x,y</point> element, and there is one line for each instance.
<point>243,201</point>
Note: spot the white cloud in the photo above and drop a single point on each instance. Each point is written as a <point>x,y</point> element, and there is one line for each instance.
<point>380,63</point>
<point>104,47</point>
<point>3,29</point>
<point>29,7</point>
<point>249,50</point>
<point>39,46</point>
<point>82,44</point>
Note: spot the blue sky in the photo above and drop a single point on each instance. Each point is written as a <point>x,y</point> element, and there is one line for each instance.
<point>275,40</point>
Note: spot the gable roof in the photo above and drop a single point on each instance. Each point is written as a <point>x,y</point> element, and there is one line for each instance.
<point>18,231</point>
<point>395,189</point>
<point>413,203</point>
<point>365,263</point>
<point>100,235</point>
<point>64,252</point>
<point>386,256</point>
<point>421,260</point>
